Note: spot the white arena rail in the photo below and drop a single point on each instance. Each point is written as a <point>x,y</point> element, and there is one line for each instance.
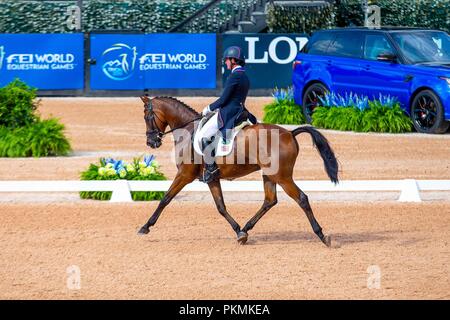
<point>409,188</point>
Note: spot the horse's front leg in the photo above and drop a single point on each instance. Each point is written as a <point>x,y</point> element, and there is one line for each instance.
<point>178,183</point>
<point>216,191</point>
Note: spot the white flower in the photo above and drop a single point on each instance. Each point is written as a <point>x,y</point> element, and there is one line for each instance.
<point>130,167</point>
<point>110,172</point>
<point>122,173</point>
<point>147,171</point>
<point>101,171</point>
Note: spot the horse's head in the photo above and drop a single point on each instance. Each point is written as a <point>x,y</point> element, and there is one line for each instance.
<point>156,125</point>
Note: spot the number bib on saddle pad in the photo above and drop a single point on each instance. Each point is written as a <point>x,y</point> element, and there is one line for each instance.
<point>223,148</point>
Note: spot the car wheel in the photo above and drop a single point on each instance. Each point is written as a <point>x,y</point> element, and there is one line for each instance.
<point>427,113</point>
<point>311,100</point>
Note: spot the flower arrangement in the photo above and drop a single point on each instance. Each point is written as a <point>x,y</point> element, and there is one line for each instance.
<point>111,169</point>
<point>357,113</point>
<point>331,99</point>
<point>283,109</point>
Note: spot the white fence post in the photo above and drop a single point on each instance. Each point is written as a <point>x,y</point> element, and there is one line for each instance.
<point>121,191</point>
<point>410,191</point>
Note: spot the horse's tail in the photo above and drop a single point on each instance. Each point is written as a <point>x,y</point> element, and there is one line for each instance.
<point>327,154</point>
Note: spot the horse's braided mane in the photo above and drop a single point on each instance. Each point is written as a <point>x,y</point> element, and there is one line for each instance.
<point>180,102</point>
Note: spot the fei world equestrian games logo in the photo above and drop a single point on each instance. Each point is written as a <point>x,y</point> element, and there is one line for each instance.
<point>120,60</point>
<point>36,61</point>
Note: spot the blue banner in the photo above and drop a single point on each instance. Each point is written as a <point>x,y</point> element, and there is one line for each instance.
<point>44,61</point>
<point>269,57</point>
<point>153,61</point>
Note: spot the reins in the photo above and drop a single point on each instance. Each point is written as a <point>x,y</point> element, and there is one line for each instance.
<point>160,133</point>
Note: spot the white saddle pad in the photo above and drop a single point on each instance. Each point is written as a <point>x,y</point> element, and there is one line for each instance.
<point>222,148</point>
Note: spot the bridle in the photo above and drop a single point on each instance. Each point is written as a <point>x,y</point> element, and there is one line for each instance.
<point>150,117</point>
<point>156,132</point>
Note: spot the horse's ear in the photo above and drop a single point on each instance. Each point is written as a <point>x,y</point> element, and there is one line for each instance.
<point>145,99</point>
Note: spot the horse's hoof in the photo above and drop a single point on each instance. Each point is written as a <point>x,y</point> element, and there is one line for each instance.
<point>143,231</point>
<point>327,240</point>
<point>242,237</point>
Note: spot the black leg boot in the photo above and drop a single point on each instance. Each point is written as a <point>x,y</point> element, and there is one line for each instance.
<point>211,171</point>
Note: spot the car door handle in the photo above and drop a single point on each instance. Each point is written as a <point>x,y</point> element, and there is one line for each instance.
<point>329,62</point>
<point>366,67</point>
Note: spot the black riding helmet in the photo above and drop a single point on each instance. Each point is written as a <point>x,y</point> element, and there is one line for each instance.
<point>236,53</point>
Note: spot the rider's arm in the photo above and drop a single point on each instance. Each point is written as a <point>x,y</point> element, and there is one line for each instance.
<point>227,93</point>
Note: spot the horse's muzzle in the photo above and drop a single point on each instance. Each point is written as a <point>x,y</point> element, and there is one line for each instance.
<point>153,139</point>
<point>154,144</point>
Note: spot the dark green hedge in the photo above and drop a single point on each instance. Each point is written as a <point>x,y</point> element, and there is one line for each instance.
<point>413,13</point>
<point>290,19</point>
<point>158,16</point>
<point>51,16</point>
<point>432,14</point>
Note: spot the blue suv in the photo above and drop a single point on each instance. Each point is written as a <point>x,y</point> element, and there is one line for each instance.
<point>410,64</point>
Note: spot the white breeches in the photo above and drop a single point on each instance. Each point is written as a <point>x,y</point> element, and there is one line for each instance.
<point>210,128</point>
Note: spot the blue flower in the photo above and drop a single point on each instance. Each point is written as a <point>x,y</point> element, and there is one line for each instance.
<point>109,160</point>
<point>118,165</point>
<point>281,95</point>
<point>148,159</point>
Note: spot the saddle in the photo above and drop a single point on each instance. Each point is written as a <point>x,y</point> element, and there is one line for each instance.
<point>223,148</point>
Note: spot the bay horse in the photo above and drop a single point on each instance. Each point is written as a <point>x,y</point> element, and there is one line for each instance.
<point>163,112</point>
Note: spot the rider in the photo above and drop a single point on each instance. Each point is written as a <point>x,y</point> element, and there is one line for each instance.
<point>231,108</point>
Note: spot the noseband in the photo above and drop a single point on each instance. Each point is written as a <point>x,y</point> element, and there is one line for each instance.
<point>150,117</point>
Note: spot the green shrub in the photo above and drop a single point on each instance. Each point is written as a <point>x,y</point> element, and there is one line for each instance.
<point>380,118</point>
<point>40,139</point>
<point>283,109</point>
<point>375,118</point>
<point>22,132</point>
<point>17,104</point>
<point>110,169</point>
<point>283,113</point>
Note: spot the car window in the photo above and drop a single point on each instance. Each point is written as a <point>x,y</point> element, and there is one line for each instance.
<point>424,46</point>
<point>320,43</point>
<point>347,44</point>
<point>376,44</point>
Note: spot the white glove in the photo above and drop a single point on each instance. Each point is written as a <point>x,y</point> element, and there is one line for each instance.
<point>206,111</point>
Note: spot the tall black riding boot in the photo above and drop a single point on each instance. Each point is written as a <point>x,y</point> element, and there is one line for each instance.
<point>211,171</point>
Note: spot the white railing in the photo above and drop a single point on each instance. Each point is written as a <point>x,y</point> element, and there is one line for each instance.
<point>409,188</point>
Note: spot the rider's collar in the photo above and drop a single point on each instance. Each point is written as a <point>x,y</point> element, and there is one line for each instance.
<point>236,67</point>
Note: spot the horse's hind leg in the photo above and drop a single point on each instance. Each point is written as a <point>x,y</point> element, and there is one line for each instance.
<point>178,183</point>
<point>216,191</point>
<point>270,200</point>
<point>301,198</point>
